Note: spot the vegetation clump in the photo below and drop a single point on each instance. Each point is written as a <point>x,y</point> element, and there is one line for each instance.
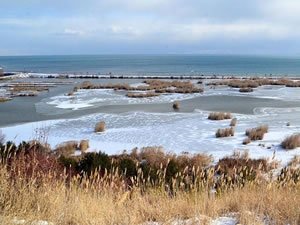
<point>233,122</point>
<point>291,142</point>
<point>67,148</point>
<point>257,133</point>
<point>245,90</point>
<point>84,145</point>
<point>100,127</point>
<point>219,116</point>
<point>226,132</point>
<point>176,105</point>
<point>141,95</point>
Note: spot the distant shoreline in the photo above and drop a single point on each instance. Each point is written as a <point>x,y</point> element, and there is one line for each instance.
<point>136,76</point>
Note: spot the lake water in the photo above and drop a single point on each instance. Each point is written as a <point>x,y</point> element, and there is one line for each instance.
<point>155,64</point>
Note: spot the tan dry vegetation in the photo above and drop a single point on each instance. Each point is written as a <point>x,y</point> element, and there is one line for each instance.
<point>291,142</point>
<point>225,132</point>
<point>219,116</point>
<point>157,86</point>
<point>84,145</point>
<point>34,187</point>
<point>100,126</point>
<point>246,141</point>
<point>233,122</point>
<point>83,202</point>
<point>176,105</point>
<point>257,133</point>
<point>141,95</point>
<point>67,148</point>
<point>4,99</point>
<point>249,83</point>
<point>245,90</point>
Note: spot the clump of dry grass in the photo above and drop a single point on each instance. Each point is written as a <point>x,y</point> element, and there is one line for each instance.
<point>84,145</point>
<point>233,122</point>
<point>219,116</point>
<point>100,126</point>
<point>245,90</point>
<point>246,141</point>
<point>291,142</point>
<point>257,133</point>
<point>226,132</point>
<point>4,99</point>
<point>176,105</point>
<point>141,95</point>
<point>67,148</point>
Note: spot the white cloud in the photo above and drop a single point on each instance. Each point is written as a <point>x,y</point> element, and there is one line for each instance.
<point>73,32</point>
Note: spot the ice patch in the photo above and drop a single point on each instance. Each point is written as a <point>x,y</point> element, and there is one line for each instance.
<point>177,132</point>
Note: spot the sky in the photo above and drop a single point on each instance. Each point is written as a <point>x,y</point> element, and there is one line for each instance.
<point>49,27</point>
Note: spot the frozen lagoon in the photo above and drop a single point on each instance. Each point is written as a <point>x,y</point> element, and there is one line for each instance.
<point>152,122</point>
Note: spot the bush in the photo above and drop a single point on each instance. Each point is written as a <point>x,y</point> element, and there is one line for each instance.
<point>233,122</point>
<point>257,133</point>
<point>67,148</point>
<point>291,142</point>
<point>176,105</point>
<point>219,116</point>
<point>100,127</point>
<point>245,90</point>
<point>84,145</point>
<point>93,161</point>
<point>226,132</point>
<point>127,166</point>
<point>246,141</point>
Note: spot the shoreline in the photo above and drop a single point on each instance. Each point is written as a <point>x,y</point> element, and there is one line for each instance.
<point>145,76</point>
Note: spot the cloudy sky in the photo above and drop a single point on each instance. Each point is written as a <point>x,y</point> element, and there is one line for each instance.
<point>30,27</point>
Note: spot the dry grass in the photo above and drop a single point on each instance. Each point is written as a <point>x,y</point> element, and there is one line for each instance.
<point>246,141</point>
<point>291,142</point>
<point>246,84</point>
<point>219,116</point>
<point>83,202</point>
<point>176,105</point>
<point>233,122</point>
<point>226,132</point>
<point>100,127</point>
<point>152,86</point>
<point>141,95</point>
<point>33,187</point>
<point>4,99</point>
<point>84,145</point>
<point>257,133</point>
<point>66,148</point>
<point>245,90</point>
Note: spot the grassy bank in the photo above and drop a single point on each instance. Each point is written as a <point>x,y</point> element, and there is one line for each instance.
<point>143,185</point>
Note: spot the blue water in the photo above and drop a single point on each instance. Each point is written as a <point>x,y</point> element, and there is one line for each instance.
<point>155,64</point>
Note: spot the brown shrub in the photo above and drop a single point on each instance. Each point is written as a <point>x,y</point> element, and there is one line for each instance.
<point>226,132</point>
<point>219,116</point>
<point>84,145</point>
<point>233,122</point>
<point>291,142</point>
<point>244,90</point>
<point>100,127</point>
<point>186,160</point>
<point>154,156</point>
<point>230,164</point>
<point>67,148</point>
<point>246,141</point>
<point>257,133</point>
<point>141,95</point>
<point>176,105</point>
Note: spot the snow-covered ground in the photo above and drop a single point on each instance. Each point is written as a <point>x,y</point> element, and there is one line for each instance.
<point>176,132</point>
